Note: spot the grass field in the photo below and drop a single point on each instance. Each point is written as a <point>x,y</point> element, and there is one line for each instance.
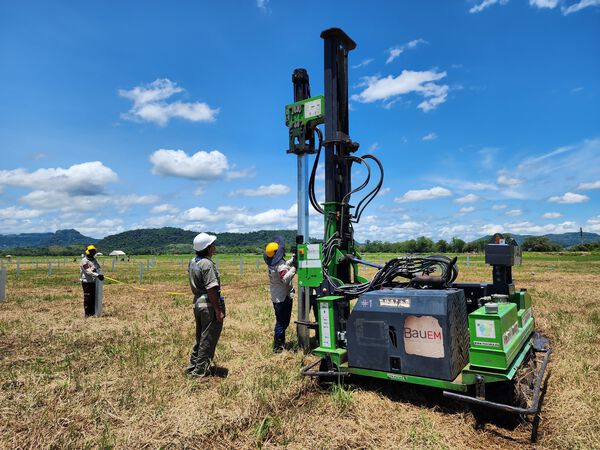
<point>117,381</point>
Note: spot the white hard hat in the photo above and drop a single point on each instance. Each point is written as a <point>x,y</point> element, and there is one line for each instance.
<point>203,240</point>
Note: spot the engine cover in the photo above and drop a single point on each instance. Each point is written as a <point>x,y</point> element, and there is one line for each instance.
<point>422,332</point>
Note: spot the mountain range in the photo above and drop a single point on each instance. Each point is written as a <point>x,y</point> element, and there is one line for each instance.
<point>174,240</point>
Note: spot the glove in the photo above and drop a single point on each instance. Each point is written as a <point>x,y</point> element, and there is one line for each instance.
<point>101,277</point>
<point>295,261</point>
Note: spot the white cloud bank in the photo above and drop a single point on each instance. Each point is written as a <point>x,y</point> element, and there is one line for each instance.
<point>199,166</point>
<point>568,198</point>
<point>87,178</point>
<point>469,198</point>
<point>552,215</point>
<point>421,83</point>
<point>423,194</point>
<point>150,104</point>
<point>272,190</point>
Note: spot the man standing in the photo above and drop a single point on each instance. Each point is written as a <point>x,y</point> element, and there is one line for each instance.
<point>209,305</point>
<point>281,275</point>
<point>90,271</point>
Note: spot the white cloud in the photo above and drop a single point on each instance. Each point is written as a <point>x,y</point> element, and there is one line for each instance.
<point>99,228</point>
<point>249,172</point>
<point>569,197</point>
<point>579,6</point>
<point>531,228</point>
<point>63,201</point>
<point>504,179</point>
<point>534,162</point>
<point>469,198</point>
<point>164,208</point>
<point>466,209</point>
<point>87,178</point>
<point>15,213</point>
<point>486,4</point>
<point>384,191</point>
<point>487,157</point>
<point>462,185</point>
<point>514,212</point>
<point>422,83</point>
<point>201,214</point>
<point>394,52</point>
<point>150,105</point>
<point>200,166</point>
<point>124,201</point>
<point>591,185</point>
<point>550,4</point>
<point>593,224</point>
<point>271,190</point>
<point>69,203</point>
<point>552,215</point>
<point>499,207</point>
<point>373,147</point>
<point>423,194</point>
<point>262,5</point>
<point>363,63</point>
<point>430,137</point>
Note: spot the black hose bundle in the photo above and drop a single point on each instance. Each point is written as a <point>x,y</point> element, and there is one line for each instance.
<point>418,270</point>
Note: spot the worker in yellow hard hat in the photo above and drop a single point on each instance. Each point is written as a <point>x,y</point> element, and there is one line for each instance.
<point>281,275</point>
<point>90,272</point>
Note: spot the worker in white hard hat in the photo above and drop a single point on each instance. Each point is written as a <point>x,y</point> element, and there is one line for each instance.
<point>281,275</point>
<point>209,306</point>
<point>89,272</point>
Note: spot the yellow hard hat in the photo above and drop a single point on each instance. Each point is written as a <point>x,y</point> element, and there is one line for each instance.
<point>89,248</point>
<point>271,249</point>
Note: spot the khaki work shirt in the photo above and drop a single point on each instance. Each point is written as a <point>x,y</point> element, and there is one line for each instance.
<point>203,276</point>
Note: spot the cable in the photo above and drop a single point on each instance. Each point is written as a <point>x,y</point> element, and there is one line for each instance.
<point>141,289</point>
<point>311,183</point>
<point>371,195</point>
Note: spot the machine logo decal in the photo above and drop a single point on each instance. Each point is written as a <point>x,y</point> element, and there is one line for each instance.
<point>394,302</point>
<point>393,376</point>
<point>423,336</point>
<point>485,329</point>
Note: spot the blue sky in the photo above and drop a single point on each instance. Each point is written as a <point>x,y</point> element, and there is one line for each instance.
<point>122,115</point>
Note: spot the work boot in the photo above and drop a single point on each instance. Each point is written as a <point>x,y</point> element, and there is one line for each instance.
<point>278,344</point>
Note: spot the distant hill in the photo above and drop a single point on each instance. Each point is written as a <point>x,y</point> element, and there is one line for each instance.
<point>176,240</point>
<point>564,239</point>
<point>61,238</point>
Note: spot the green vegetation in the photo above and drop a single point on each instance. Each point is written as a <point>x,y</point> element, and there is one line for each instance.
<point>540,244</point>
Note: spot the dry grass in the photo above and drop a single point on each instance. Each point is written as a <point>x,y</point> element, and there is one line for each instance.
<point>67,382</point>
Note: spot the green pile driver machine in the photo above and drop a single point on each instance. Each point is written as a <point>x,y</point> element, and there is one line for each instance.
<point>411,322</point>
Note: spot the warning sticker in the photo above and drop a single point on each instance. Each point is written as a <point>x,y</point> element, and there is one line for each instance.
<point>312,251</point>
<point>509,334</point>
<point>485,329</point>
<point>312,108</point>
<point>325,333</point>
<point>526,316</point>
<point>423,336</point>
